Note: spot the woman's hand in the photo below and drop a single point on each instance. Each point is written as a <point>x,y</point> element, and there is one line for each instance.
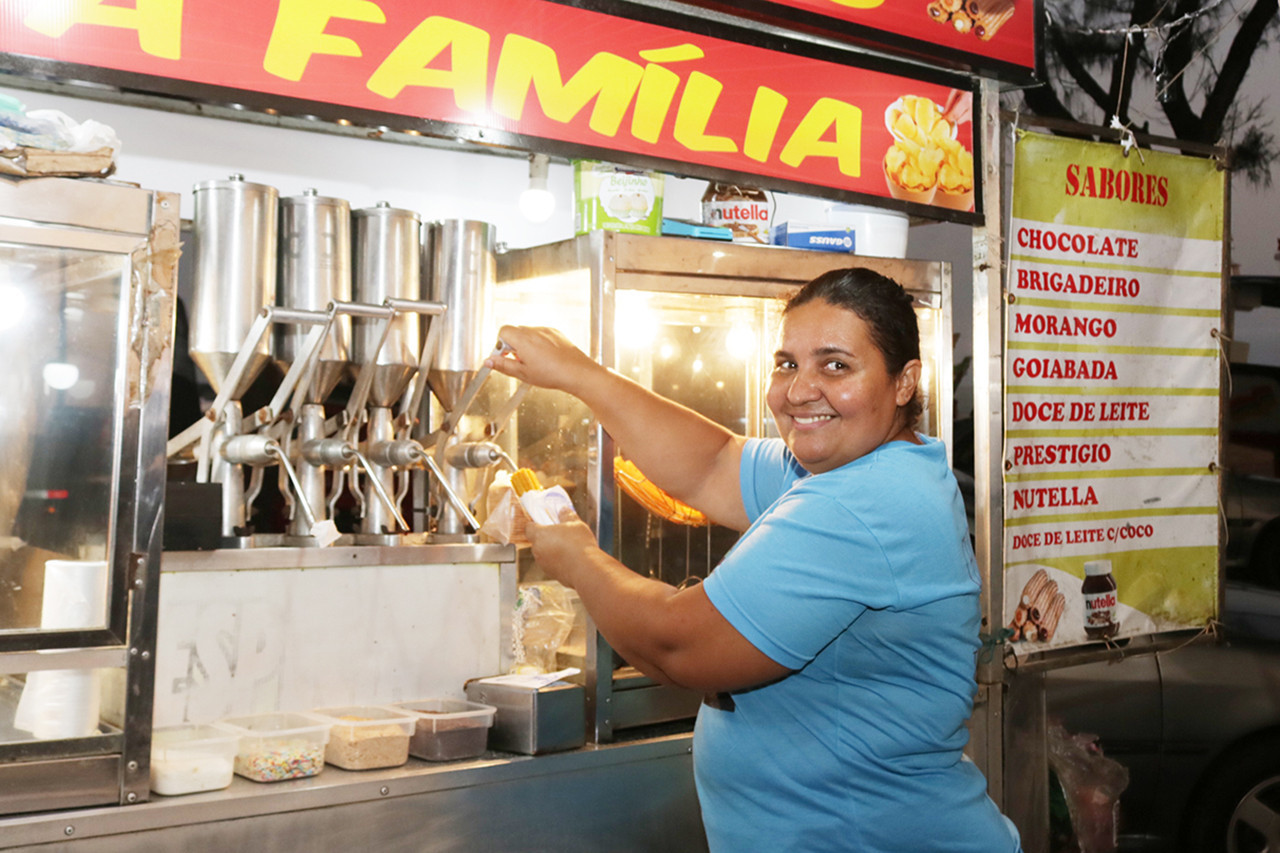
<point>542,357</point>
<point>562,549</point>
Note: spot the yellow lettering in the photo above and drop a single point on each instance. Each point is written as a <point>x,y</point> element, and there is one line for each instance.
<point>609,79</point>
<point>676,53</point>
<point>658,89</point>
<point>157,22</point>
<point>807,140</point>
<point>696,106</point>
<point>762,124</point>
<point>859,4</point>
<point>653,101</point>
<point>467,75</point>
<point>299,33</point>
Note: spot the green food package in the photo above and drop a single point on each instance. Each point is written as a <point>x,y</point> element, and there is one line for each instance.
<point>611,198</point>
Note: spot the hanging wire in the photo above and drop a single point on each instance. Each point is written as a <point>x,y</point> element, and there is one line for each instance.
<point>1161,31</point>
<point>1162,92</point>
<point>1148,29</point>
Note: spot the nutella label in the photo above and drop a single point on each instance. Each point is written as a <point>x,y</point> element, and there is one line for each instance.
<point>1099,611</point>
<point>1098,595</point>
<point>746,211</point>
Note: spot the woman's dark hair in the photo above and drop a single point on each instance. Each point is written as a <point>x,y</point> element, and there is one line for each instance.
<point>884,306</point>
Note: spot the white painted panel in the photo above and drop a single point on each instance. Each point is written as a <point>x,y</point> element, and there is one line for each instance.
<point>240,642</point>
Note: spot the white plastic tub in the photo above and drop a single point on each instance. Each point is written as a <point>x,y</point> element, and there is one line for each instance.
<point>192,758</point>
<point>879,233</point>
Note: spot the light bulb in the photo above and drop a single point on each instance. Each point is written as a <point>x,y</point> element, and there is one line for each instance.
<point>537,203</point>
<point>60,376</point>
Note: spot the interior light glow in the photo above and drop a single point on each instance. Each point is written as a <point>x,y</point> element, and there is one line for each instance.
<point>13,306</point>
<point>537,203</point>
<point>635,325</point>
<point>59,375</point>
<point>740,342</point>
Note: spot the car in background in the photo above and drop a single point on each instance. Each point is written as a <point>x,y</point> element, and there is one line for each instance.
<point>1197,726</point>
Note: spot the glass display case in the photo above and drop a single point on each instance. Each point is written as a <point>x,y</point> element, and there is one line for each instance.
<point>87,271</point>
<point>695,321</point>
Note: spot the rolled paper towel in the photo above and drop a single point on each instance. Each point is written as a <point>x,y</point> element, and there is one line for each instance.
<point>64,703</point>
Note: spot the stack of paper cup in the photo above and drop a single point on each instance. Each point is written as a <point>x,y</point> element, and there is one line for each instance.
<point>63,703</point>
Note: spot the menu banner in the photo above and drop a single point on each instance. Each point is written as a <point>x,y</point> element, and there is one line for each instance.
<point>999,35</point>
<point>520,73</point>
<point>1112,392</point>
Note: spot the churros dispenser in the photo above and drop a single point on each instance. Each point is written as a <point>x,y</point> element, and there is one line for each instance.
<point>695,321</point>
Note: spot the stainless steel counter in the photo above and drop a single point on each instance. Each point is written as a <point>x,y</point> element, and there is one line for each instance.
<point>633,796</point>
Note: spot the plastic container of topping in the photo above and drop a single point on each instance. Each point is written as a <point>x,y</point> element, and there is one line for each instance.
<point>192,758</point>
<point>448,729</point>
<point>279,745</point>
<point>363,737</point>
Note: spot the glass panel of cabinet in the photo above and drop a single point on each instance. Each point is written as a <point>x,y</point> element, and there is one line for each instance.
<point>695,321</point>
<point>86,318</point>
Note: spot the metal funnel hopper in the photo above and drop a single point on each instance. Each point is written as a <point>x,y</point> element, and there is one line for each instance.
<point>387,264</point>
<point>234,257</point>
<point>315,269</point>
<point>463,270</point>
<point>448,385</point>
<point>216,365</point>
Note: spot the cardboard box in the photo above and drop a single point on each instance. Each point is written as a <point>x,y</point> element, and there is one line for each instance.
<point>823,237</point>
<point>611,198</point>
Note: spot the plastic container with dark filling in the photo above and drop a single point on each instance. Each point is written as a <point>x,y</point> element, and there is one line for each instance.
<point>448,729</point>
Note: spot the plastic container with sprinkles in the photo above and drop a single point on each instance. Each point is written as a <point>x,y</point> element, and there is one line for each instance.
<point>279,745</point>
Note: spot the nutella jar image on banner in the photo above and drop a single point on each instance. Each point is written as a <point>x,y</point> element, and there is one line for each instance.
<point>746,211</point>
<point>1098,594</point>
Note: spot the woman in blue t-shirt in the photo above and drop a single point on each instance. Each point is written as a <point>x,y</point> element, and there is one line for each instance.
<point>836,640</point>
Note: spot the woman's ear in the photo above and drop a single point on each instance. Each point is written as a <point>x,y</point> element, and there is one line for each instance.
<point>908,380</point>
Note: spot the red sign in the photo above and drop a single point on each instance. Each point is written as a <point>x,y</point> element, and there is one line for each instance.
<point>999,30</point>
<point>543,70</point>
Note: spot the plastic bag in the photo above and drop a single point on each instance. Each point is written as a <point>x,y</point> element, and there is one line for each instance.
<point>544,615</point>
<point>52,130</point>
<point>505,519</point>
<point>1091,783</point>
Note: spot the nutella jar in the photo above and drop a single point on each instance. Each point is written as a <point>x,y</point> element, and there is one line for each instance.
<point>746,211</point>
<point>1098,594</point>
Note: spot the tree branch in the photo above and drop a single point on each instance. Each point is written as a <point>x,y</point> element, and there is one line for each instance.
<point>1043,101</point>
<point>1070,60</point>
<point>1178,53</point>
<point>1248,37</point>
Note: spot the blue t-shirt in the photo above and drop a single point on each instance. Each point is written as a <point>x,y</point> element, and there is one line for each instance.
<point>862,580</point>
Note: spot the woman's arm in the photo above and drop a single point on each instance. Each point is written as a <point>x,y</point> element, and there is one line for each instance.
<point>675,636</point>
<point>689,456</point>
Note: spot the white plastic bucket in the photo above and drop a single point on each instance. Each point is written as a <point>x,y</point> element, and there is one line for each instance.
<point>879,233</point>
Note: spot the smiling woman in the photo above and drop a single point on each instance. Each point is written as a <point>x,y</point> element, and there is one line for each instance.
<point>842,386</point>
<point>836,640</point>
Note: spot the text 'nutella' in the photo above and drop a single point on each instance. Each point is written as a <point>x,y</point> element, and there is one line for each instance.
<point>1099,596</point>
<point>746,211</point>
